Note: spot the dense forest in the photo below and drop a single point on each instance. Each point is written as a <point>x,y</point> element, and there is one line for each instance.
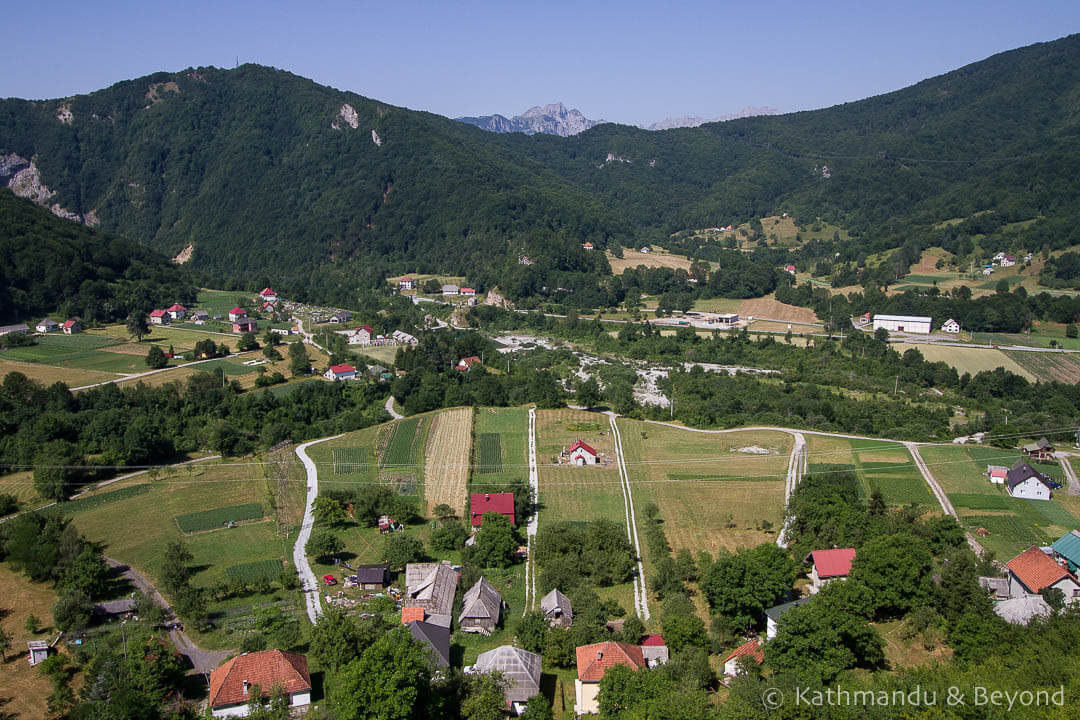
<point>260,171</point>
<point>50,265</point>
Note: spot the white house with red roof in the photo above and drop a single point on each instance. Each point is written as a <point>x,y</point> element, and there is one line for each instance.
<point>1033,571</point>
<point>232,685</point>
<point>466,364</point>
<point>480,503</point>
<point>72,326</point>
<point>468,291</point>
<point>176,311</point>
<point>340,372</point>
<point>998,474</point>
<point>237,313</point>
<point>405,283</point>
<point>582,454</point>
<point>268,295</point>
<point>593,662</point>
<point>362,335</point>
<point>160,317</point>
<point>588,246</point>
<point>655,650</point>
<point>751,649</point>
<point>829,565</point>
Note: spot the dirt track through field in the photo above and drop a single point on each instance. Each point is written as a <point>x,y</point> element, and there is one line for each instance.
<point>446,464</point>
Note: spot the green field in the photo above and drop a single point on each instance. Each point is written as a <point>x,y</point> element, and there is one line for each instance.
<point>217,518</point>
<point>884,466</point>
<point>488,453</point>
<point>1013,524</point>
<point>349,460</point>
<point>250,571</point>
<point>510,427</point>
<point>1060,367</point>
<point>93,501</point>
<point>220,302</point>
<point>401,448</point>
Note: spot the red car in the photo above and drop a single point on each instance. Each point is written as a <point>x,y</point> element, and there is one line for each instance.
<point>329,579</point>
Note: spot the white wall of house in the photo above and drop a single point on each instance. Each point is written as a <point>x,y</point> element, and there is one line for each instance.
<point>771,627</point>
<point>580,457</point>
<point>903,323</point>
<point>585,695</point>
<point>1031,489</point>
<point>299,699</point>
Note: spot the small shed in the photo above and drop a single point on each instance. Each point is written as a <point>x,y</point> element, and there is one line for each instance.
<point>372,577</point>
<point>1040,451</point>
<point>557,609</point>
<point>998,474</point>
<point>481,608</point>
<point>36,651</point>
<point>654,650</point>
<point>751,649</point>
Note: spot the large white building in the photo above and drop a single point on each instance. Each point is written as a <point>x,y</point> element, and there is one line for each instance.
<point>903,323</point>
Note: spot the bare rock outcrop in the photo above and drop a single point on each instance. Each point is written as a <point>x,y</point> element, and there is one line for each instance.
<point>494,297</point>
<point>23,178</point>
<point>347,114</point>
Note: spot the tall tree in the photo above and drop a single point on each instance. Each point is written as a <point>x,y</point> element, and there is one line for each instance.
<point>137,326</point>
<point>391,680</point>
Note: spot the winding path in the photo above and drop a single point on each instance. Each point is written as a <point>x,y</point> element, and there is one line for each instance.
<point>308,584</point>
<point>390,409</point>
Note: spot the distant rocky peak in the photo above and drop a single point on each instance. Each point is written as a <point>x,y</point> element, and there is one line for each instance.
<point>551,119</point>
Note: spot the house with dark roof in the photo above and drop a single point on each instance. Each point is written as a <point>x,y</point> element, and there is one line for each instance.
<point>341,316</point>
<point>481,608</point>
<point>1024,481</point>
<point>593,661</point>
<point>114,608</point>
<point>372,577</point>
<point>199,316</point>
<point>750,649</point>
<point>245,325</point>
<point>997,588</point>
<point>1041,451</point>
<point>17,329</point>
<point>436,637</point>
<point>773,614</point>
<point>47,325</point>
<point>1033,571</point>
<point>582,454</point>
<point>232,685</point>
<point>431,586</point>
<point>520,668</point>
<point>1067,548</point>
<point>501,503</point>
<point>829,565</point>
<point>557,609</point>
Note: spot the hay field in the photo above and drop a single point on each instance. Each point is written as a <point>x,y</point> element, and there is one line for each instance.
<point>656,258</point>
<point>446,459</point>
<point>769,307</point>
<point>887,467</point>
<point>49,374</point>
<point>576,493</point>
<point>22,688</point>
<point>967,360</point>
<point>702,483</point>
<point>1047,366</point>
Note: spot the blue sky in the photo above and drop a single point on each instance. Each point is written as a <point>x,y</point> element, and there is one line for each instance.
<point>632,62</point>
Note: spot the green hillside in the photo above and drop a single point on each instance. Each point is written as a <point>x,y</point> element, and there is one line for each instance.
<point>247,166</point>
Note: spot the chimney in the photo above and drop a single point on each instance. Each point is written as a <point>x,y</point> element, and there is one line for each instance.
<point>246,686</point>
<point>487,496</point>
<point>599,654</point>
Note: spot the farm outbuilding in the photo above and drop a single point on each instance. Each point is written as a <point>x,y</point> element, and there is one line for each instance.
<point>582,454</point>
<point>520,668</point>
<point>904,323</point>
<point>481,608</point>
<point>557,609</point>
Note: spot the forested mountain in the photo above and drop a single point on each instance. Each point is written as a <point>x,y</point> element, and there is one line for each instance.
<point>50,265</point>
<point>267,174</point>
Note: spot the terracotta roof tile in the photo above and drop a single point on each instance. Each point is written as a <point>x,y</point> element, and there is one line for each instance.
<point>594,660</point>
<point>752,648</point>
<point>583,446</point>
<point>833,563</point>
<point>1036,570</point>
<point>267,669</point>
<point>411,614</point>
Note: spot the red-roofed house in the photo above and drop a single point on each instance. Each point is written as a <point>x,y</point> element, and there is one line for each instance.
<point>237,313</point>
<point>588,246</point>
<point>998,474</point>
<point>582,454</point>
<point>362,335</point>
<point>593,662</point>
<point>159,317</point>
<point>466,364</point>
<point>340,372</point>
<point>244,325</point>
<point>654,650</point>
<point>790,269</point>
<point>72,326</point>
<point>268,295</point>
<point>1032,571</point>
<point>829,565</point>
<point>176,311</point>
<point>751,649</point>
<point>467,291</point>
<point>480,503</point>
<point>405,283</point>
<point>232,684</point>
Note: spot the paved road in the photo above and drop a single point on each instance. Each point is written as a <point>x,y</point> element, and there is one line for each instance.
<point>390,409</point>
<point>202,661</point>
<point>308,583</point>
<point>641,593</point>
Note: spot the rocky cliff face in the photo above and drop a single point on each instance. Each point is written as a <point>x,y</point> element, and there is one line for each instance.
<point>553,119</point>
<point>695,120</point>
<point>23,178</point>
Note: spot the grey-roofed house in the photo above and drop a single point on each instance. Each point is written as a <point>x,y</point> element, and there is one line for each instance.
<point>772,615</point>
<point>431,586</point>
<point>372,577</point>
<point>435,637</point>
<point>481,608</point>
<point>520,667</point>
<point>1022,610</point>
<point>997,588</point>
<point>557,609</point>
<point>18,329</point>
<point>115,607</point>
<point>1024,481</point>
<point>1041,450</point>
<point>450,289</point>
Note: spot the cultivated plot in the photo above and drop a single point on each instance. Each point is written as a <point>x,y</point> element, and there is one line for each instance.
<point>1001,523</point>
<point>969,360</point>
<point>883,466</point>
<point>446,463</point>
<point>1048,366</point>
<point>715,491</point>
<point>576,493</point>
<point>502,445</point>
